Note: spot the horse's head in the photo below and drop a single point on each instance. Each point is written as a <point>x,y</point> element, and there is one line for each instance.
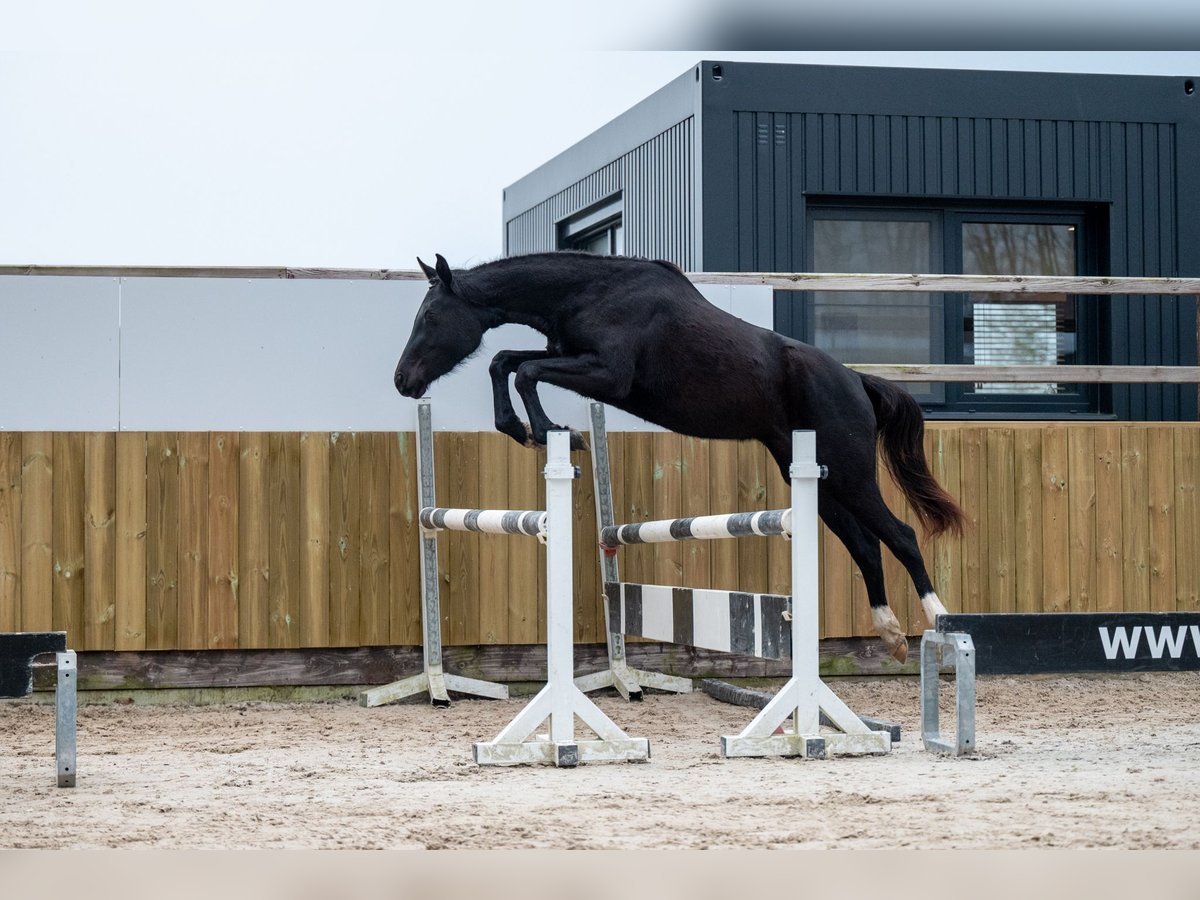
<point>446,331</point>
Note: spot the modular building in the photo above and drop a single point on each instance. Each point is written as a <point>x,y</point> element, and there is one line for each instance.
<point>750,167</point>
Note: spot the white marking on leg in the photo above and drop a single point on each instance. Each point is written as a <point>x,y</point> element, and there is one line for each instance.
<point>932,608</point>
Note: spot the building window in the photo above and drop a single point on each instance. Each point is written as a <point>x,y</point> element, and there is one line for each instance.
<point>597,229</point>
<point>980,329</point>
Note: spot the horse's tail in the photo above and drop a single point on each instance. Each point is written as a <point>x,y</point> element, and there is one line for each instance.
<point>901,430</point>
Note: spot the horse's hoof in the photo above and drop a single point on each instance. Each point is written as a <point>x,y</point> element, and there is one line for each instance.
<point>578,442</point>
<point>889,632</point>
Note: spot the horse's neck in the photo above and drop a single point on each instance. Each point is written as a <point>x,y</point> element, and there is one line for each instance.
<point>516,299</point>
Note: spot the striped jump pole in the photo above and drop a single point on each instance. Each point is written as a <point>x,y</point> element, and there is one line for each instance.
<point>762,625</point>
<point>432,678</point>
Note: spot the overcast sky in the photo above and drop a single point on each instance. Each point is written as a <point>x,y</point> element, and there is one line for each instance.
<point>241,134</point>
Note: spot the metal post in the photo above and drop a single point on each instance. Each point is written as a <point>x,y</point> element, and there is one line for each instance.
<point>65,707</point>
<point>431,678</point>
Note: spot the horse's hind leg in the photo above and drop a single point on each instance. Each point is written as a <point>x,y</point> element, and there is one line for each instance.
<point>864,550</point>
<point>866,503</point>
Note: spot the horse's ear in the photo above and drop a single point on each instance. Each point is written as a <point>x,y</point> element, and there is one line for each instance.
<point>443,272</point>
<point>430,272</point>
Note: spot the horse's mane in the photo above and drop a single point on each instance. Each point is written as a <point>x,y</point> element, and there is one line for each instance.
<point>533,263</point>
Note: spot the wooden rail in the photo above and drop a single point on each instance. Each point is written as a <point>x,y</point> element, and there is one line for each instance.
<point>1027,285</point>
<point>803,281</point>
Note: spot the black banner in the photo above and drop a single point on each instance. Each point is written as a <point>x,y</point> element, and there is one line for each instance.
<point>1080,642</point>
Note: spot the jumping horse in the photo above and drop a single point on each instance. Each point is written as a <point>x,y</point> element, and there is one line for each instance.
<point>637,335</point>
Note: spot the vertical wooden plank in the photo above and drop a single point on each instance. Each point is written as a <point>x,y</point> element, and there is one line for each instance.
<point>779,551</point>
<point>945,452</point>
<point>254,542</point>
<point>404,537</point>
<point>1082,553</point>
<point>837,613</point>
<point>345,599</point>
<point>1001,521</point>
<point>462,473</point>
<point>99,541</point>
<point>374,563</point>
<point>1135,519</point>
<point>1028,522</point>
<point>130,585</point>
<point>668,494</point>
<point>10,531</point>
<point>637,562</point>
<point>524,573</point>
<point>283,499</point>
<point>1054,545</point>
<point>974,504</point>
<point>443,461</point>
<point>589,612</point>
<point>1160,451</point>
<point>752,496</point>
<point>224,452</point>
<point>162,541</point>
<point>314,539</point>
<point>1187,518</point>
<point>37,531</point>
<point>697,483</point>
<point>1108,520</point>
<point>723,498</point>
<point>193,540</point>
<point>494,551</point>
<point>68,537</point>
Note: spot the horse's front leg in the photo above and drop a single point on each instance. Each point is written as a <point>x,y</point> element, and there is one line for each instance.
<point>589,375</point>
<point>503,365</point>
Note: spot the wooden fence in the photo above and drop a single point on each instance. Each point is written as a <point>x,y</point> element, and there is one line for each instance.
<point>135,541</point>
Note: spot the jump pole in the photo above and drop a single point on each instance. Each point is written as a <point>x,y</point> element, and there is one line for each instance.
<point>432,679</point>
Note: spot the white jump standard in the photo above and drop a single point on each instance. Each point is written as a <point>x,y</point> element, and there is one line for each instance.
<point>560,700</point>
<point>753,624</point>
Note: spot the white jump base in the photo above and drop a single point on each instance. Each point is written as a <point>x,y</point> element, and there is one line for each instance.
<point>560,701</point>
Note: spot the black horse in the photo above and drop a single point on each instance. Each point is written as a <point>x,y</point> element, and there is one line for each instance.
<point>637,335</point>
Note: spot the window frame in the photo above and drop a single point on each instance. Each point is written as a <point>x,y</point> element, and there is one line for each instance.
<point>954,400</point>
<point>586,225</point>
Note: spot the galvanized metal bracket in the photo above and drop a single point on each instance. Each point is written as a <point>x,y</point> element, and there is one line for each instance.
<point>934,648</point>
<point>65,707</point>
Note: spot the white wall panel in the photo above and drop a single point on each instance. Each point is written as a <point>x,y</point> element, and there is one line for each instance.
<point>198,354</point>
<point>59,346</point>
